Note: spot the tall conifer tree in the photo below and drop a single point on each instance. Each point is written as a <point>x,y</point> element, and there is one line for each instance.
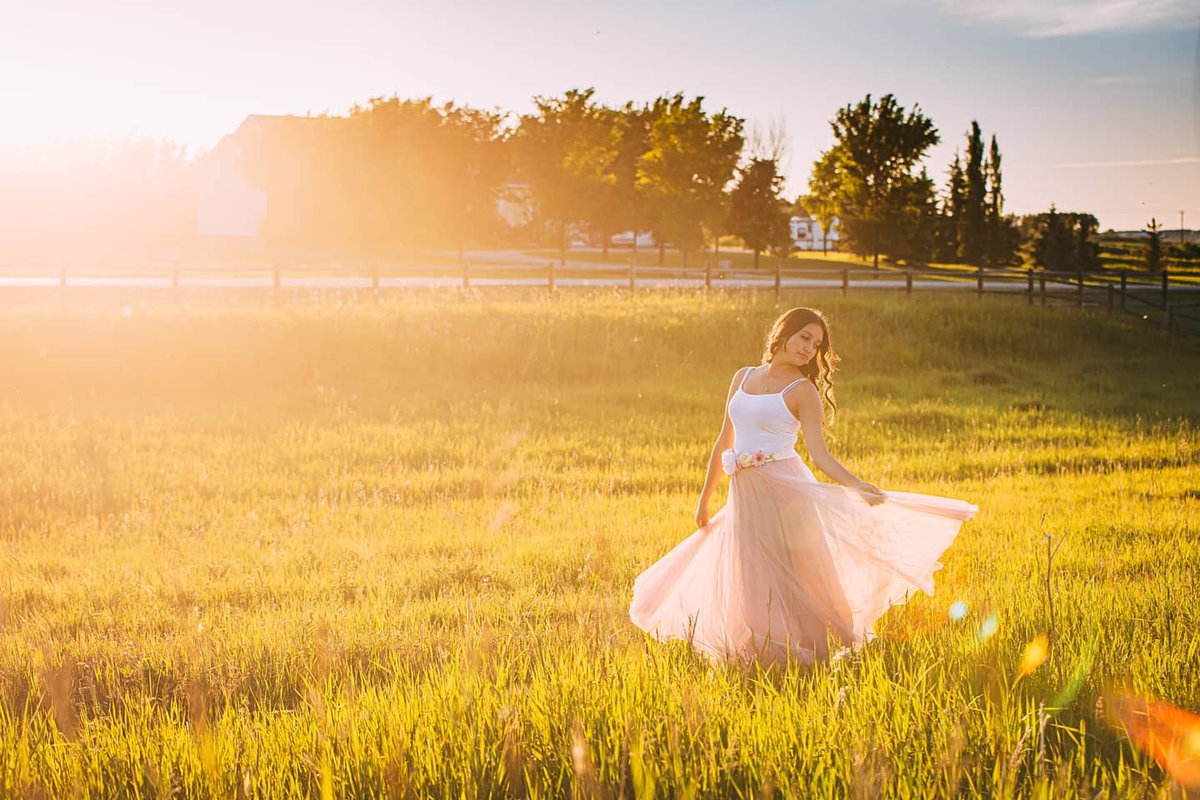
<point>957,202</point>
<point>973,244</point>
<point>995,206</point>
<point>1154,246</point>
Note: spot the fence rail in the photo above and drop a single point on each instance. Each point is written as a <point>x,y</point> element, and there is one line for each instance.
<point>1156,298</point>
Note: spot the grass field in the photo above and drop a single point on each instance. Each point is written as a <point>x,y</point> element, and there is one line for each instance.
<point>353,547</point>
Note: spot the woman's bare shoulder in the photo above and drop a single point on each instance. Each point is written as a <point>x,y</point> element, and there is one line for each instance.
<point>736,381</point>
<point>804,396</point>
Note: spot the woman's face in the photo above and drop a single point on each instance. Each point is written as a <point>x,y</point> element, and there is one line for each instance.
<point>804,343</point>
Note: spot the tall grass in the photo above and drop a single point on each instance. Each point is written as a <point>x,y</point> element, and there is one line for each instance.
<point>384,547</point>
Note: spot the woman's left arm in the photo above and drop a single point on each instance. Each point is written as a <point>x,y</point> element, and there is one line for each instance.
<point>805,403</point>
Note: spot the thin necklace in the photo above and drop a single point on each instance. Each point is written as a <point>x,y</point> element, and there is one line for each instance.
<point>768,372</point>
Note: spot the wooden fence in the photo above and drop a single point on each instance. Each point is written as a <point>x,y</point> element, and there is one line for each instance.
<point>1170,298</point>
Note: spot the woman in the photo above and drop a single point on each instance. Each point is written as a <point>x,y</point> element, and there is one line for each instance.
<point>790,567</point>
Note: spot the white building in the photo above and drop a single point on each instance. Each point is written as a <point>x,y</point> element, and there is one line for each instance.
<point>807,234</point>
<point>514,204</point>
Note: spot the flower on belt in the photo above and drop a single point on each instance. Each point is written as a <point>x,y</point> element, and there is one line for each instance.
<point>731,462</point>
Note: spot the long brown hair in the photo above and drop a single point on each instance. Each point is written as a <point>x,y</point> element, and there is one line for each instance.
<point>820,369</point>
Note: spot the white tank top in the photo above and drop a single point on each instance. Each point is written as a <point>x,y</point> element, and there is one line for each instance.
<point>763,422</point>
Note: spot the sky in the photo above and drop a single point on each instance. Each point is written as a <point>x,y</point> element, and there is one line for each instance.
<point>1095,103</point>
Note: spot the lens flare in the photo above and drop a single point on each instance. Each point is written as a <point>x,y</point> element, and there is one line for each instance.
<point>1035,653</point>
<point>958,610</point>
<point>988,628</point>
<point>1078,679</point>
<point>1167,733</point>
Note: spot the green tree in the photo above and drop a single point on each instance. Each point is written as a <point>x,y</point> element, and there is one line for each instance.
<point>622,204</point>
<point>1054,248</point>
<point>781,243</point>
<point>1087,251</point>
<point>948,230</point>
<point>692,156</point>
<point>822,200</point>
<point>973,241</point>
<point>389,174</point>
<point>567,150</point>
<point>909,221</point>
<point>1154,246</point>
<point>1000,240</point>
<point>870,169</point>
<point>471,163</point>
<point>294,162</point>
<point>756,212</point>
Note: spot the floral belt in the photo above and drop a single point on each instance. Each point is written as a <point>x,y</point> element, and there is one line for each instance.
<point>731,461</point>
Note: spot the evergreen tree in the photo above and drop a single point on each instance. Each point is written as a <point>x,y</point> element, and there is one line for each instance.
<point>909,221</point>
<point>756,214</point>
<point>1087,252</point>
<point>950,216</point>
<point>958,197</point>
<point>1054,248</point>
<point>998,242</point>
<point>1154,246</point>
<point>973,242</point>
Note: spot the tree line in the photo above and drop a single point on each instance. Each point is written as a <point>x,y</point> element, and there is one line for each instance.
<point>873,180</point>
<point>394,174</point>
<point>397,172</point>
<point>400,172</point>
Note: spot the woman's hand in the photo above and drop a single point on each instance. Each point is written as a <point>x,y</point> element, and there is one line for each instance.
<point>702,515</point>
<point>869,492</point>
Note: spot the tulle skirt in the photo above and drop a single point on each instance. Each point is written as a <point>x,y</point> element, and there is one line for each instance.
<point>791,569</point>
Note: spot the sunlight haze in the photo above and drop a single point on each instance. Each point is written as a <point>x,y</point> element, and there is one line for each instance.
<point>1094,103</point>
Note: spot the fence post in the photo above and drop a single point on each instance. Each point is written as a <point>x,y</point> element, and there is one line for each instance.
<point>908,281</point>
<point>707,274</point>
<point>845,279</point>
<point>631,273</point>
<point>1170,323</point>
<point>466,270</point>
<point>374,277</point>
<point>1030,276</point>
<point>1042,287</point>
<point>979,283</point>
<point>1110,298</point>
<point>1079,293</point>
<point>778,278</point>
<point>1124,278</point>
<point>550,277</point>
<point>1164,286</point>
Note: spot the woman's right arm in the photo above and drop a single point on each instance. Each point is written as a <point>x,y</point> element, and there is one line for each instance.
<point>724,442</point>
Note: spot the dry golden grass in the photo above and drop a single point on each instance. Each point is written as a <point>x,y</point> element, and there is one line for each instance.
<point>360,547</point>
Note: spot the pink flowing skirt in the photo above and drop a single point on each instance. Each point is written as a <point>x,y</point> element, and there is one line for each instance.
<point>791,568</point>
